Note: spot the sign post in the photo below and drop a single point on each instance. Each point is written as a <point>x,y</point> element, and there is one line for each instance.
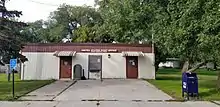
<point>13,65</point>
<point>13,83</point>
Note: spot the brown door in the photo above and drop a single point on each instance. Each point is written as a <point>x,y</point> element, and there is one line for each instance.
<point>65,67</point>
<point>132,67</point>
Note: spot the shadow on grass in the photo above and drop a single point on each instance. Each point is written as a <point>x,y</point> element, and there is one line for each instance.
<point>207,84</point>
<point>19,81</point>
<point>178,71</point>
<point>208,73</point>
<point>211,92</point>
<point>168,78</point>
<point>168,71</point>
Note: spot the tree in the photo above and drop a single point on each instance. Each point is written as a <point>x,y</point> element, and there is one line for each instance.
<point>127,21</point>
<point>189,29</point>
<point>130,21</point>
<point>182,28</point>
<point>35,32</point>
<point>10,43</point>
<point>87,17</point>
<point>60,23</point>
<point>84,34</point>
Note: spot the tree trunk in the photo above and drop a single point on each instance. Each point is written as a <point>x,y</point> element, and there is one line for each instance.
<point>157,62</point>
<point>218,81</point>
<point>215,65</point>
<point>196,67</point>
<point>185,66</point>
<point>156,67</point>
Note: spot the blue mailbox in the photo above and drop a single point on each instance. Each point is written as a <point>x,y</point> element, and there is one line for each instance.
<point>190,84</point>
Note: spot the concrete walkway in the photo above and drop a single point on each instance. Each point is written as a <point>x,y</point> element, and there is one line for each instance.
<point>217,102</point>
<point>105,104</point>
<point>111,90</point>
<point>48,92</point>
<point>109,93</point>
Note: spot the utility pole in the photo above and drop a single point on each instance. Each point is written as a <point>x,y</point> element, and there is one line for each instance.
<point>152,39</point>
<point>153,52</point>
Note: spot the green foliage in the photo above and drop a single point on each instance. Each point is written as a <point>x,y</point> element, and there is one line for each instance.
<point>84,34</point>
<point>10,41</point>
<point>33,32</point>
<point>56,28</point>
<point>127,21</point>
<point>189,29</point>
<point>86,16</point>
<point>132,21</point>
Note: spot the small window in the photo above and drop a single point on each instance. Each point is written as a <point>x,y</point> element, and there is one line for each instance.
<point>65,62</point>
<point>132,62</point>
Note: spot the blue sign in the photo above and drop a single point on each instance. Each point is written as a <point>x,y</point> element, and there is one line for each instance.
<point>13,64</point>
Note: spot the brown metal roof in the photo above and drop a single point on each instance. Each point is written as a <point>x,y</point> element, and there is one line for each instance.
<point>78,47</point>
<point>87,44</point>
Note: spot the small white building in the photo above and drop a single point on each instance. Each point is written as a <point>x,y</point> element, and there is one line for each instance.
<point>170,63</point>
<point>57,61</point>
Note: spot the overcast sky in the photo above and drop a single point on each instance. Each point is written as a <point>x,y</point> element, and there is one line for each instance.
<point>40,9</point>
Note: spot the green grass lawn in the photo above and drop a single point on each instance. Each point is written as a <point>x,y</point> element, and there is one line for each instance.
<point>21,87</point>
<point>169,80</point>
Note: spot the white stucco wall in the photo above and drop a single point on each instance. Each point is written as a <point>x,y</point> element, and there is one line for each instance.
<point>146,68</point>
<point>40,66</point>
<point>43,66</point>
<point>113,67</point>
